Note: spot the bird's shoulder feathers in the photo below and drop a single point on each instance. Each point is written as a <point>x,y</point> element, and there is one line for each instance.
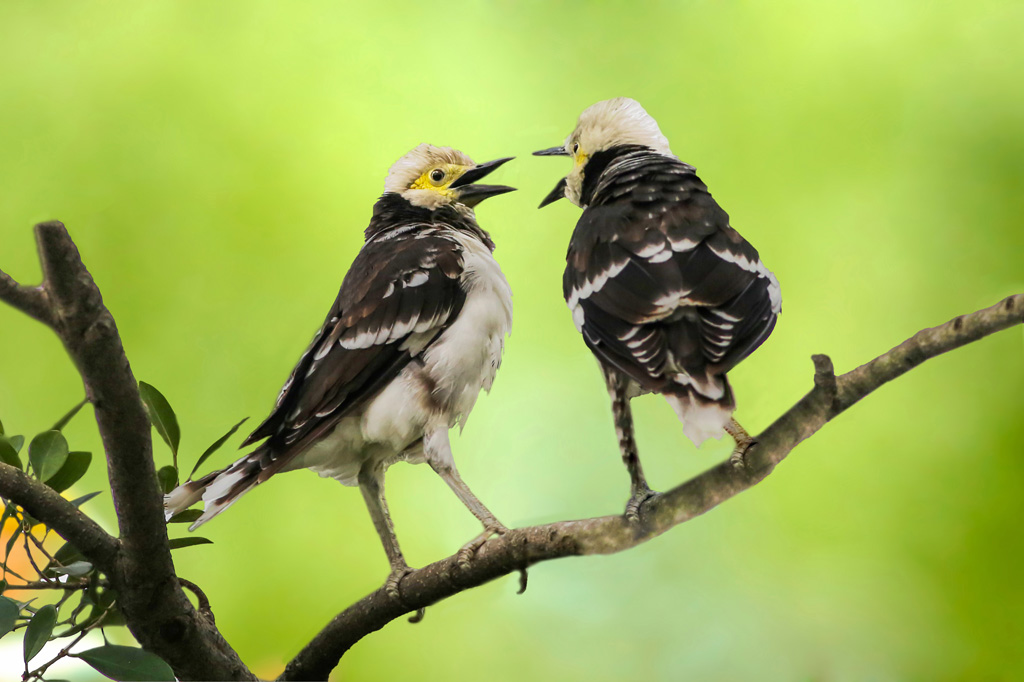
<point>658,281</point>
<point>403,289</point>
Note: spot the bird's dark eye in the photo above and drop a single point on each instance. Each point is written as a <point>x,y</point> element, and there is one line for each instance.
<point>437,175</point>
<point>575,147</point>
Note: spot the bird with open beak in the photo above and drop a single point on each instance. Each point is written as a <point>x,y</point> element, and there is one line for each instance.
<point>667,295</point>
<point>415,333</point>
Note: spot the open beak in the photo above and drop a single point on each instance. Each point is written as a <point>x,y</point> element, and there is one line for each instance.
<point>479,172</point>
<point>552,151</point>
<point>559,191</point>
<point>472,194</point>
<point>554,195</point>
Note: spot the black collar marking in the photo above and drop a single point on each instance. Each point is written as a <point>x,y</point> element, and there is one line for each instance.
<point>392,211</point>
<point>596,165</point>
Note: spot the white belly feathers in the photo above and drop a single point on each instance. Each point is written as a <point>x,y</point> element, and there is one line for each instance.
<point>437,389</point>
<point>466,357</point>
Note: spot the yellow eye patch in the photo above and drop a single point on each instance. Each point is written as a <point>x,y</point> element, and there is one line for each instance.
<point>451,173</point>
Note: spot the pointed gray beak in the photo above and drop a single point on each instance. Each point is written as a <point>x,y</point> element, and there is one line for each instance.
<point>552,151</point>
<point>474,194</point>
<point>479,172</point>
<point>554,195</point>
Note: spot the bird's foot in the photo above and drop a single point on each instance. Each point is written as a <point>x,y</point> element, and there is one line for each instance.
<point>469,550</point>
<point>394,581</point>
<point>744,441</point>
<point>636,500</point>
<point>737,458</point>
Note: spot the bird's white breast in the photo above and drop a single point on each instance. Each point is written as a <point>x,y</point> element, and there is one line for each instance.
<point>433,394</point>
<point>466,356</point>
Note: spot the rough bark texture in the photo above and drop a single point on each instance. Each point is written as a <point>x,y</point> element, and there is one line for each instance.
<point>139,564</point>
<point>43,503</point>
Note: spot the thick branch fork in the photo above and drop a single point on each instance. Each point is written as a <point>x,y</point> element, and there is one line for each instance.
<point>138,563</point>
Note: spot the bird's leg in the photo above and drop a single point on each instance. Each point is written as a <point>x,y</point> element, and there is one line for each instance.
<point>438,451</point>
<point>371,484</point>
<point>743,441</point>
<point>639,490</point>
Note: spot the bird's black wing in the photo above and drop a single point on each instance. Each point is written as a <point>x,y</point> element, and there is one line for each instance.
<point>660,285</point>
<point>396,299</point>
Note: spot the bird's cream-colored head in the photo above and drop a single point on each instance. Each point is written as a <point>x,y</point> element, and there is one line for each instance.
<point>601,126</point>
<point>432,177</point>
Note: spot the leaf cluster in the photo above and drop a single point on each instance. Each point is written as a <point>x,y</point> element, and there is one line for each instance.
<point>74,597</point>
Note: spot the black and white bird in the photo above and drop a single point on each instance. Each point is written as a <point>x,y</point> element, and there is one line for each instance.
<point>417,330</point>
<point>667,295</point>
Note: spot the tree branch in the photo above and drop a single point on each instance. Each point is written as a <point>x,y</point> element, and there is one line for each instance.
<point>139,565</point>
<point>522,547</point>
<point>32,301</point>
<point>43,503</point>
<point>155,608</point>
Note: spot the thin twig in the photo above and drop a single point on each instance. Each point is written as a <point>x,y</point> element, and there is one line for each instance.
<point>10,571</point>
<point>63,421</point>
<point>39,544</point>
<point>25,533</point>
<point>55,585</point>
<point>41,670</point>
<point>201,598</point>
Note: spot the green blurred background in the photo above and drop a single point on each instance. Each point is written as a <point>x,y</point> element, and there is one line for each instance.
<point>217,162</point>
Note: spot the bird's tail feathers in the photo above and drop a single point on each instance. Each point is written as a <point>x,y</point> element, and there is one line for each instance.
<point>187,494</point>
<point>704,407</point>
<point>218,489</point>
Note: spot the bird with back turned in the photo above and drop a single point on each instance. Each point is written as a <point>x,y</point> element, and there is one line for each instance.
<point>667,295</point>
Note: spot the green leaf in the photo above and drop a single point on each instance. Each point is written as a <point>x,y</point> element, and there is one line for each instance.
<point>161,416</point>
<point>168,478</point>
<point>63,421</point>
<point>17,442</point>
<point>175,543</point>
<point>39,630</point>
<point>213,448</point>
<point>75,569</point>
<point>1,428</point>
<point>47,452</point>
<point>10,542</point>
<point>187,516</point>
<point>9,513</point>
<point>9,611</point>
<point>3,585</point>
<point>106,598</point>
<point>79,501</point>
<point>67,555</point>
<point>127,663</point>
<point>74,468</point>
<point>8,453</point>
